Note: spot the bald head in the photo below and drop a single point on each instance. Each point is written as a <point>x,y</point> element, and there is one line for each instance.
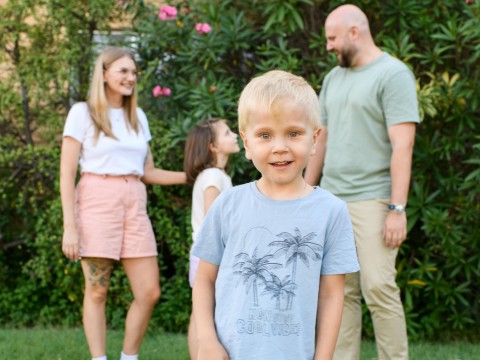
<point>348,16</point>
<point>348,35</point>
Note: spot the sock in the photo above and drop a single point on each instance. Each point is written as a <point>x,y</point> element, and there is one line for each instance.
<point>104,357</point>
<point>128,357</point>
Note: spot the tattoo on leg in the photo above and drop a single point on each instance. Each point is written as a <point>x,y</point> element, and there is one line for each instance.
<point>99,272</point>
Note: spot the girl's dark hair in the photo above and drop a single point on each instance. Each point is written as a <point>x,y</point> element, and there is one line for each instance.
<point>198,155</point>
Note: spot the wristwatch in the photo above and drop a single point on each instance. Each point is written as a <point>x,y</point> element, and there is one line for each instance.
<point>398,208</point>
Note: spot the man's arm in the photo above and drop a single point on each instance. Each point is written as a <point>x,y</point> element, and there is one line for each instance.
<point>209,347</point>
<point>329,315</point>
<point>315,163</point>
<point>402,138</point>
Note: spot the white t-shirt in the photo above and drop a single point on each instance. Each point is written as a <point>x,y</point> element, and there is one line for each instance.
<point>209,177</point>
<point>109,156</point>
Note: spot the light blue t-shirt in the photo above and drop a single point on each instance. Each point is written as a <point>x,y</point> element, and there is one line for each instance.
<point>271,254</point>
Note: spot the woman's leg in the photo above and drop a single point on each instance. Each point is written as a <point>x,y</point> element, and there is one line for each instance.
<point>143,275</point>
<point>96,272</point>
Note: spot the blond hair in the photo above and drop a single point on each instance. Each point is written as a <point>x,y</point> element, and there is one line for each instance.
<point>98,103</point>
<point>275,86</point>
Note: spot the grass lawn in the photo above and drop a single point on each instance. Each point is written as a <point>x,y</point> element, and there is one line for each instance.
<point>70,344</point>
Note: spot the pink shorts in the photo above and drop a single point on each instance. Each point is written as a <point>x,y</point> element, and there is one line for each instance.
<point>112,218</point>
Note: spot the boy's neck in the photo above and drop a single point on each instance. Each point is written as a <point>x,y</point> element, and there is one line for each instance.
<point>290,191</point>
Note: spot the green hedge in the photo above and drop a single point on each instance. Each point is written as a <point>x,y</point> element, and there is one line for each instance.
<point>439,265</point>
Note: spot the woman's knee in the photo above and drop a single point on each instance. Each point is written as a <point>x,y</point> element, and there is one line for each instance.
<point>155,295</point>
<point>150,296</point>
<point>97,294</point>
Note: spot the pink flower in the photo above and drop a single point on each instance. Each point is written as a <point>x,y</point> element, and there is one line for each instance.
<point>167,12</point>
<point>203,28</point>
<point>157,91</point>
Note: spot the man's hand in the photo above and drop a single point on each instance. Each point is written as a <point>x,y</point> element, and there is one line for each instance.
<point>395,230</point>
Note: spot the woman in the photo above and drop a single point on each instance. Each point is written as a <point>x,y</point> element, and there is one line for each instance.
<point>105,217</point>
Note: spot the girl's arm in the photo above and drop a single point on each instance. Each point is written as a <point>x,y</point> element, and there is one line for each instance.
<point>329,315</point>
<point>68,172</point>
<point>209,347</point>
<point>210,194</point>
<point>153,175</point>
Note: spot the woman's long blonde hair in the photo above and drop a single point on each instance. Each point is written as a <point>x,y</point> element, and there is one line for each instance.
<point>98,103</point>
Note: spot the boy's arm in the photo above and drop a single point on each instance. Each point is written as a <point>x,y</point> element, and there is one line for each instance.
<point>329,315</point>
<point>209,347</point>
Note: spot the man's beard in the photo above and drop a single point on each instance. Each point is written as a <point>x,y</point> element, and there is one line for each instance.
<point>345,58</point>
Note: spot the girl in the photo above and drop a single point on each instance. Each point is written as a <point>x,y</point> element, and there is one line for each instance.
<point>207,149</point>
<point>105,218</point>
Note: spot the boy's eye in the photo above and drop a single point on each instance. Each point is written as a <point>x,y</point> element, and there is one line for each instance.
<point>294,134</point>
<point>265,136</point>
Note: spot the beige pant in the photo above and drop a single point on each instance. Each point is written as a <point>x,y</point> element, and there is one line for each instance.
<point>378,286</point>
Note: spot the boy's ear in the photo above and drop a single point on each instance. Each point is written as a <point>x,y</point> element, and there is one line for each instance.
<point>245,145</point>
<point>316,134</point>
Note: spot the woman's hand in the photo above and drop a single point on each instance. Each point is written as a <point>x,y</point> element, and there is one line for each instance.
<point>70,244</point>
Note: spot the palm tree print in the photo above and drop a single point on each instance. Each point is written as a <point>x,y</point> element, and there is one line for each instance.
<point>280,289</point>
<point>252,269</point>
<point>296,247</point>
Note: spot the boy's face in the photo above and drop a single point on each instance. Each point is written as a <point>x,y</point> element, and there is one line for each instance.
<point>280,142</point>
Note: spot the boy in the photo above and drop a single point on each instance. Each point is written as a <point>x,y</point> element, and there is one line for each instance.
<point>273,252</point>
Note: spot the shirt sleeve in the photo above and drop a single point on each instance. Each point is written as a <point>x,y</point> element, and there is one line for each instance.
<point>142,118</point>
<point>399,99</point>
<point>212,178</point>
<point>340,255</point>
<point>77,122</point>
<point>209,244</point>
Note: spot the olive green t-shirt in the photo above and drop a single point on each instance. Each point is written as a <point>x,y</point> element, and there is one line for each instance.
<point>357,107</point>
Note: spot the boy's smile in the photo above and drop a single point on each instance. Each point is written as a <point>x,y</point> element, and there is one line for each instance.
<point>280,141</point>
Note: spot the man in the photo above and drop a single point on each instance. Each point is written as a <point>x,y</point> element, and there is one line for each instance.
<point>369,113</point>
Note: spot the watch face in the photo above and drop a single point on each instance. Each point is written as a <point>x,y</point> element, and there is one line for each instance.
<point>398,208</point>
